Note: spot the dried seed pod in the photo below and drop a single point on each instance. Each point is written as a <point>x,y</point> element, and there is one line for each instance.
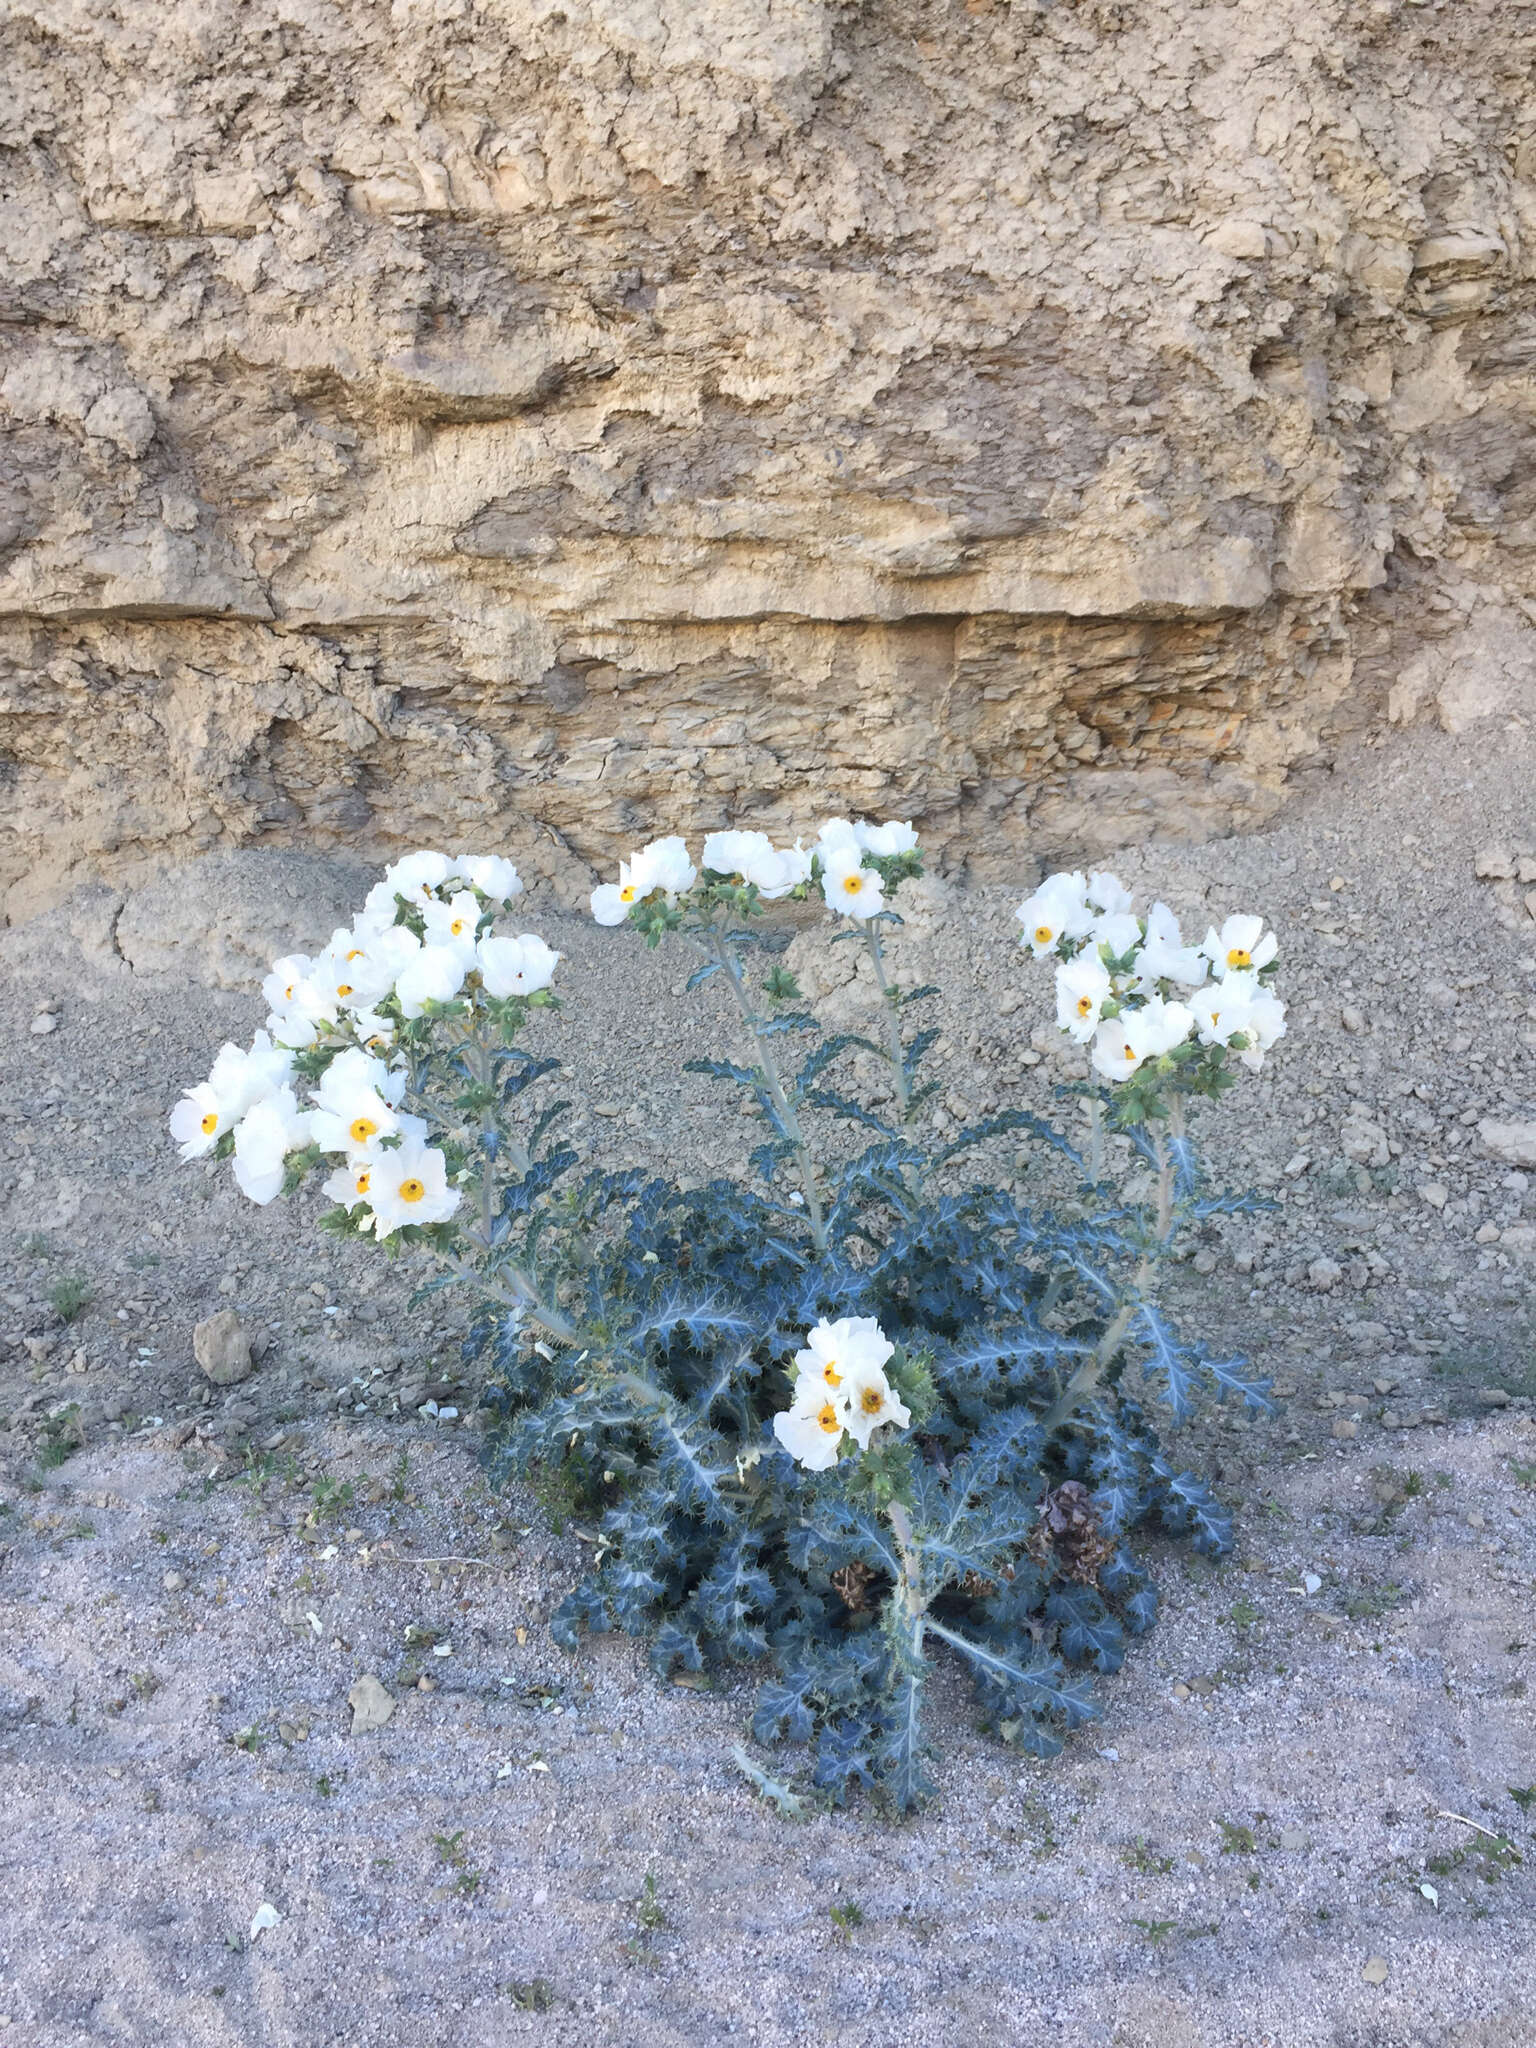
<point>853,1583</point>
<point>1067,1536</point>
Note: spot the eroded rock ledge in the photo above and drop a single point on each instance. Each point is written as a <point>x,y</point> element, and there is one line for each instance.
<point>473,419</point>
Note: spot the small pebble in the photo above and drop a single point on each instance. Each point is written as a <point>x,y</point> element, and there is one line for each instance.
<point>44,1022</point>
<point>173,1582</point>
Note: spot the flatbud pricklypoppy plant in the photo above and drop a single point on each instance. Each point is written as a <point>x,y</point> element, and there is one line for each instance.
<point>869,1411</point>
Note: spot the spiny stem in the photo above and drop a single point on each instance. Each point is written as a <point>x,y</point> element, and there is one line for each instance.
<point>914,1607</point>
<point>1165,1173</point>
<point>523,1294</point>
<point>890,1003</point>
<point>1085,1380</point>
<point>804,1164</point>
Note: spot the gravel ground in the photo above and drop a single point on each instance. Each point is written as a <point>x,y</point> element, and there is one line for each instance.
<point>192,1579</point>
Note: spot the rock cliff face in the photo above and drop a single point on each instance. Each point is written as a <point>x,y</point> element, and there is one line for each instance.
<point>550,422</point>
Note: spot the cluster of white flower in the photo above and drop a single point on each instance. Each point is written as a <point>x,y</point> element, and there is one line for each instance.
<point>840,1387</point>
<point>1117,973</point>
<point>349,1000</point>
<point>840,863</point>
<point>375,956</point>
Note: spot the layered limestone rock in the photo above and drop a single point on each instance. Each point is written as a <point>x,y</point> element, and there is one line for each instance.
<point>545,425</point>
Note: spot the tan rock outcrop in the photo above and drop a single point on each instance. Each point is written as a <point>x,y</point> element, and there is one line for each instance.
<point>478,419</point>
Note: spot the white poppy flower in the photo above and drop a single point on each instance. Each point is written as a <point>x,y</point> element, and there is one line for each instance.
<point>795,867</point>
<point>302,1005</point>
<point>409,1184</point>
<point>283,980</point>
<point>833,1350</point>
<point>356,1102</point>
<point>1239,947</point>
<point>1160,1027</point>
<point>452,924</point>
<point>418,875</point>
<point>377,1033</point>
<point>1220,1010</point>
<point>868,1400</point>
<point>379,910</point>
<point>1263,1016</point>
<point>890,838</point>
<point>243,1078</point>
<point>1082,989</point>
<point>493,875</point>
<point>1109,895</point>
<point>664,864</point>
<point>515,967</point>
<point>434,975</point>
<point>848,886</point>
<point>200,1119</point>
<point>1057,910</point>
<point>812,1430</point>
<point>773,870</point>
<point>609,905</point>
<point>1115,1055</point>
<point>1122,1043</point>
<point>613,902</point>
<point>1164,956</point>
<point>1118,931</point>
<point>358,968</point>
<point>835,834</point>
<point>349,1184</point>
<point>751,855</point>
<point>264,1136</point>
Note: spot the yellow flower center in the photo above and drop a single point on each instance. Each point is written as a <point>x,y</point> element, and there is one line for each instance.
<point>628,893</point>
<point>1043,935</point>
<point>411,1190</point>
<point>343,988</point>
<point>830,1373</point>
<point>356,953</point>
<point>853,884</point>
<point>210,1123</point>
<point>457,927</point>
<point>362,1181</point>
<point>361,1129</point>
<point>1130,1052</point>
<point>871,1400</point>
<point>1239,956</point>
<point>288,993</point>
<point>1084,1005</point>
<point>830,1420</point>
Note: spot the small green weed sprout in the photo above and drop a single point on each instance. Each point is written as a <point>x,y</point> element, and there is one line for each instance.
<point>70,1296</point>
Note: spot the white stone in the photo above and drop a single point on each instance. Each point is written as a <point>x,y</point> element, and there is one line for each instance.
<point>1514,1141</point>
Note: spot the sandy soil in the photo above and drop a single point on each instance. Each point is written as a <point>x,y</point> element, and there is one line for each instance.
<point>192,1580</point>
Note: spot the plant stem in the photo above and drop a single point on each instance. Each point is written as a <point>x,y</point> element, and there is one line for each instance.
<point>754,1021</point>
<point>522,1294</point>
<point>1165,1173</point>
<point>1086,1379</point>
<point>914,1608</point>
<point>890,1003</point>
